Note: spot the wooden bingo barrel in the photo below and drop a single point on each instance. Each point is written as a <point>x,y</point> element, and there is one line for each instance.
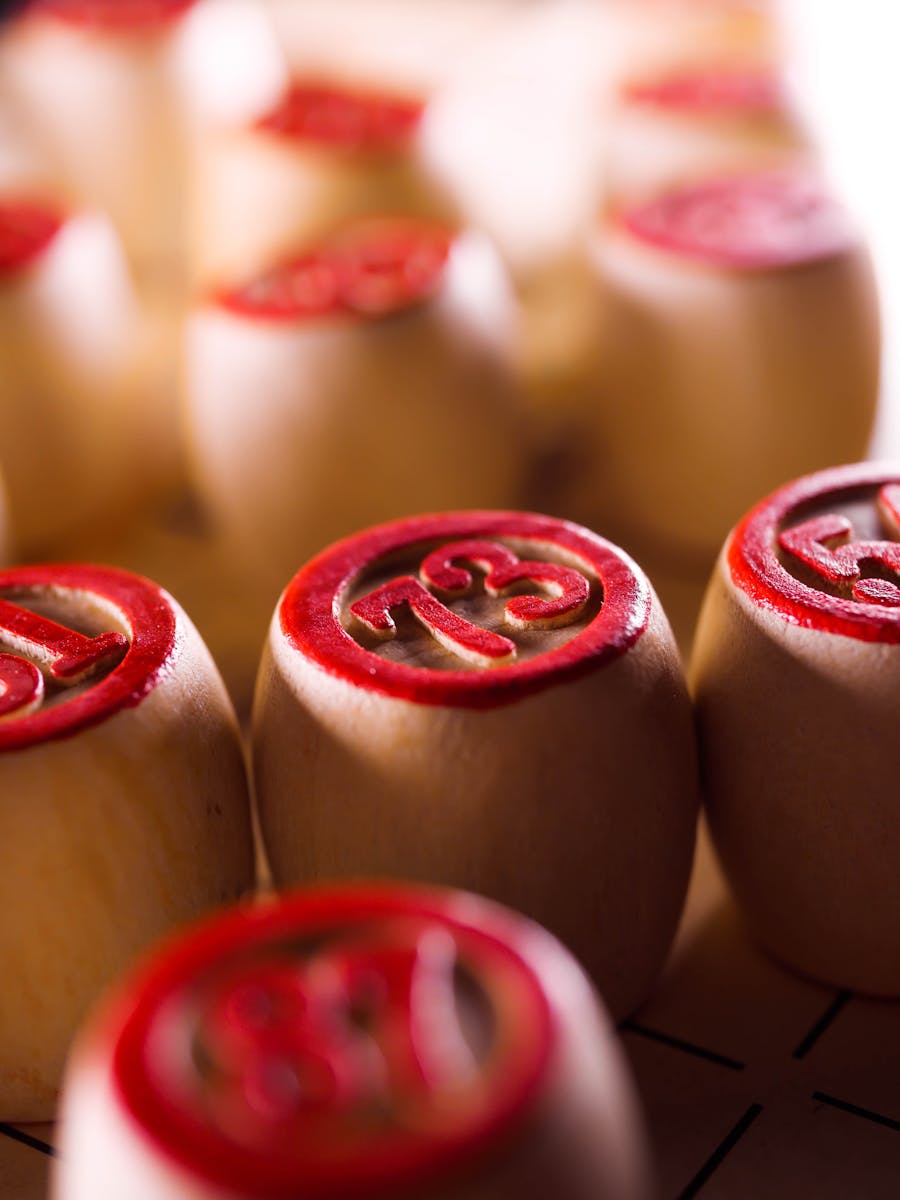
<point>362,380</point>
<point>353,1042</point>
<point>320,154</point>
<point>95,77</point>
<point>797,677</point>
<point>72,403</point>
<point>740,347</point>
<point>125,807</point>
<point>677,127</point>
<point>491,701</point>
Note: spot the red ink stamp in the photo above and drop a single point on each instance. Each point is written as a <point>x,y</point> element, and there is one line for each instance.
<point>473,609</point>
<point>345,120</point>
<point>748,222</point>
<point>26,230</point>
<point>373,268</point>
<point>824,552</point>
<point>344,1039</point>
<point>56,679</point>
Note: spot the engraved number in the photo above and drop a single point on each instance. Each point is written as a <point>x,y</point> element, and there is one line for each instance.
<point>67,656</point>
<point>362,1026</point>
<point>566,593</point>
<point>843,563</point>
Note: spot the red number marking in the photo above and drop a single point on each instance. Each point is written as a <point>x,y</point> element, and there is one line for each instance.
<point>378,1028</point>
<point>568,588</point>
<point>308,286</point>
<point>843,564</point>
<point>372,269</point>
<point>21,686</point>
<point>454,633</point>
<point>136,664</point>
<point>388,267</point>
<point>757,222</point>
<point>69,656</point>
<point>349,120</point>
<point>309,614</point>
<point>866,609</point>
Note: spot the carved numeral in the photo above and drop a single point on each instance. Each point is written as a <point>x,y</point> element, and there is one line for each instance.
<point>809,542</point>
<point>455,633</point>
<point>66,655</point>
<point>566,591</point>
<point>362,1024</point>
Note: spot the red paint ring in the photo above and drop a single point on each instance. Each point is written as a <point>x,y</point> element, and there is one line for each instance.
<point>756,570</point>
<point>26,230</point>
<point>757,222</point>
<point>148,613</point>
<point>309,611</point>
<point>179,1133</point>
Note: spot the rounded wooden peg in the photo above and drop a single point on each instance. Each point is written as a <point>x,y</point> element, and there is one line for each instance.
<point>379,363</point>
<point>491,701</point>
<point>125,800</point>
<point>796,671</point>
<point>739,324</point>
<point>361,1041</point>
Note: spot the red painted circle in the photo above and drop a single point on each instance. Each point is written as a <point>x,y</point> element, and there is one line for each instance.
<point>722,92</point>
<point>26,230</point>
<point>373,268</point>
<point>346,120</point>
<point>748,222</point>
<point>309,610</point>
<point>114,15</point>
<point>145,610</point>
<point>317,1076</point>
<point>757,569</point>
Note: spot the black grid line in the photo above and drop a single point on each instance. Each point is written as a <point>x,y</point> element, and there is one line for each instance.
<point>26,1139</point>
<point>827,1018</point>
<point>721,1152</point>
<point>665,1039</point>
<point>856,1111</point>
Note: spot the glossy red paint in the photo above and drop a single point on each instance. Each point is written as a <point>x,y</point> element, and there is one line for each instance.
<point>799,520</point>
<point>748,223</point>
<point>339,118</point>
<point>142,657</point>
<point>309,614</point>
<point>334,1062</point>
<point>374,268</point>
